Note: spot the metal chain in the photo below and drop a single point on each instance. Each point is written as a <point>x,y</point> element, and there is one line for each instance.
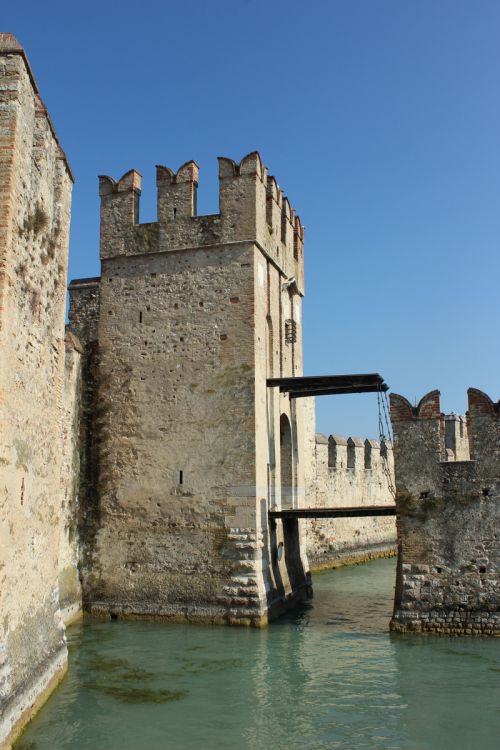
<point>384,421</point>
<point>385,407</point>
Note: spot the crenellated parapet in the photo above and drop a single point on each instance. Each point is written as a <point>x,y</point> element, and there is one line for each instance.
<point>355,454</point>
<point>483,425</point>
<point>352,471</point>
<point>119,211</point>
<point>176,192</point>
<point>481,404</point>
<point>252,208</point>
<point>447,501</point>
<point>349,471</point>
<point>427,408</point>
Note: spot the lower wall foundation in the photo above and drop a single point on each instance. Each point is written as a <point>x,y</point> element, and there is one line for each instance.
<point>25,703</point>
<point>352,557</point>
<point>444,623</point>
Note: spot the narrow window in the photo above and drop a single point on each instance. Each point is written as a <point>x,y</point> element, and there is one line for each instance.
<point>175,213</point>
<point>140,317</point>
<point>181,477</point>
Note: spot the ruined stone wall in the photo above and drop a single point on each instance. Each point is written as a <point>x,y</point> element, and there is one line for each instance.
<point>186,460</point>
<point>35,195</point>
<point>448,519</point>
<point>343,472</point>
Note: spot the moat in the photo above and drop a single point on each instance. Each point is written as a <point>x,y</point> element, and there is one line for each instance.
<point>328,676</point>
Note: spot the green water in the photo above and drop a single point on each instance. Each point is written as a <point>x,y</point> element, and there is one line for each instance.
<point>329,676</point>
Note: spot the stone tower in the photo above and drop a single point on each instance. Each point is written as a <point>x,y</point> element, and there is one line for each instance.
<point>189,318</point>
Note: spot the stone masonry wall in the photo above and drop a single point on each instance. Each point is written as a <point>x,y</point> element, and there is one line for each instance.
<point>84,309</point>
<point>70,590</point>
<point>35,196</point>
<point>194,312</point>
<point>343,472</point>
<point>448,519</point>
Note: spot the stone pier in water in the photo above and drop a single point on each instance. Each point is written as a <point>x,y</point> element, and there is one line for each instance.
<point>447,498</point>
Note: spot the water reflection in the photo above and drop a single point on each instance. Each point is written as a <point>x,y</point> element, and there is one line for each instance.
<point>327,676</point>
<point>451,688</point>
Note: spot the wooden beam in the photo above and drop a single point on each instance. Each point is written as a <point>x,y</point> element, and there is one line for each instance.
<point>359,511</point>
<point>323,385</point>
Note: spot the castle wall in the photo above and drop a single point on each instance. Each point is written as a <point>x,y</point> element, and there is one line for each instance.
<point>84,306</point>
<point>186,432</point>
<point>343,472</point>
<point>177,384</point>
<point>84,296</point>
<point>70,590</point>
<point>448,517</point>
<point>35,195</point>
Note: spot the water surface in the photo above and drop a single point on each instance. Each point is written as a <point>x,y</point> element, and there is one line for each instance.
<point>328,676</point>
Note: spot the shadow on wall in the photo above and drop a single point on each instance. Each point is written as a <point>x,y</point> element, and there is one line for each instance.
<point>286,462</point>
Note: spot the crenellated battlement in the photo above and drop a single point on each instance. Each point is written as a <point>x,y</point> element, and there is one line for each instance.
<point>252,208</point>
<point>341,472</point>
<point>352,468</point>
<point>427,408</point>
<point>119,204</point>
<point>176,191</point>
<point>354,453</point>
<point>131,181</point>
<point>449,437</point>
<point>481,404</point>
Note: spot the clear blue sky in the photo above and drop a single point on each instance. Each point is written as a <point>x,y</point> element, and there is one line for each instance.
<point>379,118</point>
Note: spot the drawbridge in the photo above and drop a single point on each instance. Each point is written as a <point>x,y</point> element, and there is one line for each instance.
<point>327,385</point>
